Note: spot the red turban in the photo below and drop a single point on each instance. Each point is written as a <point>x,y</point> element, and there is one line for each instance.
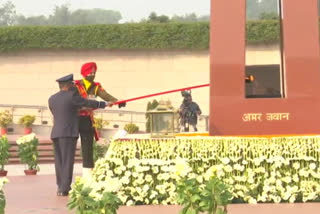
<point>86,68</point>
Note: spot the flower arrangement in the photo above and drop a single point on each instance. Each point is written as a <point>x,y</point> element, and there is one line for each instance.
<point>5,119</point>
<point>278,169</point>
<point>93,198</point>
<point>4,151</point>
<point>27,120</point>
<point>3,181</point>
<point>28,151</point>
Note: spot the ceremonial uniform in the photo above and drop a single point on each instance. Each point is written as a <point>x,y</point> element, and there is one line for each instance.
<point>64,106</point>
<point>89,89</point>
<point>189,112</point>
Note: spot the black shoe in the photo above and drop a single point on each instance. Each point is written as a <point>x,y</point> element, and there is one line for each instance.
<point>62,193</point>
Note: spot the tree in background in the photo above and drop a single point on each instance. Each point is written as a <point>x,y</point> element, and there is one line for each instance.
<point>154,18</point>
<point>61,15</point>
<point>32,20</point>
<point>256,8</point>
<point>269,16</point>
<point>192,17</point>
<point>95,16</point>
<point>7,14</point>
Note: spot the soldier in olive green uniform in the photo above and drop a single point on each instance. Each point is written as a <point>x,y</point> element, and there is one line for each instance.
<point>90,90</point>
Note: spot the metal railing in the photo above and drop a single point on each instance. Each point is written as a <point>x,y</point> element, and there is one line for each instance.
<point>116,118</point>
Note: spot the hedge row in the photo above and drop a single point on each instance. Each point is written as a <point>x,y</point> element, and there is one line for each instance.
<point>190,36</point>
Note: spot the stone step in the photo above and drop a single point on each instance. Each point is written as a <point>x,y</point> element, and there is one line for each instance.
<point>45,150</point>
<point>15,160</point>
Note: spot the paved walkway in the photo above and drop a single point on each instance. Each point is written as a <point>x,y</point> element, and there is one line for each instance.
<point>34,194</point>
<point>37,195</point>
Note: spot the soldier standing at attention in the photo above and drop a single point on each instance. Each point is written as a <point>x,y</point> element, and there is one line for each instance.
<point>189,112</point>
<point>89,89</point>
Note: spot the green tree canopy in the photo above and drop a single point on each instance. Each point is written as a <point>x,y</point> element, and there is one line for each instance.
<point>62,15</point>
<point>7,14</point>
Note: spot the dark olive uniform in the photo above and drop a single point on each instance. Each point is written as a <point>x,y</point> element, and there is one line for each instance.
<point>87,131</point>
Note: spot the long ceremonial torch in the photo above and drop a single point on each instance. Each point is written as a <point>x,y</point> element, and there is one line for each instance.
<point>160,93</point>
<point>248,79</point>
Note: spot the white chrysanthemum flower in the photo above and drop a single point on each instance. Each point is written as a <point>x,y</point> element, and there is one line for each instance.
<point>111,184</point>
<point>295,178</point>
<point>182,167</point>
<point>148,178</point>
<point>133,162</point>
<point>146,188</point>
<point>155,202</point>
<point>292,199</point>
<point>244,162</point>
<point>129,203</point>
<point>127,173</point>
<point>262,198</point>
<point>118,171</point>
<point>251,180</point>
<point>287,179</point>
<point>252,201</point>
<point>155,169</point>
<point>277,199</point>
<point>3,181</point>
<point>312,166</point>
<point>200,179</point>
<point>228,168</point>
<point>239,167</point>
<point>257,161</point>
<point>296,165</point>
<point>225,160</point>
<point>125,180</point>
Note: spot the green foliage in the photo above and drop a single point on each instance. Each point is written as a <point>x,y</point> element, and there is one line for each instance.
<point>27,120</point>
<point>190,36</point>
<point>2,202</point>
<point>150,106</point>
<point>99,150</point>
<point>28,151</point>
<point>131,128</point>
<point>84,204</point>
<point>5,118</point>
<point>124,36</point>
<point>99,123</point>
<point>189,195</point>
<point>269,16</point>
<point>210,198</point>
<point>4,151</point>
<point>7,13</point>
<point>264,31</point>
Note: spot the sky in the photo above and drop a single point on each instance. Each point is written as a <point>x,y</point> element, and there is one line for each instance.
<point>131,10</point>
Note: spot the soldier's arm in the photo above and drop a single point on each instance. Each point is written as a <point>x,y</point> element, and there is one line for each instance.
<point>79,101</point>
<point>105,96</point>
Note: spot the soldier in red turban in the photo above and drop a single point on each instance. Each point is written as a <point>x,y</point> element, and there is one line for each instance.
<point>90,90</point>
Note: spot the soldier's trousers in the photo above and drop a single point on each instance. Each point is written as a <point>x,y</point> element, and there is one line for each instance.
<point>64,151</point>
<point>86,133</point>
